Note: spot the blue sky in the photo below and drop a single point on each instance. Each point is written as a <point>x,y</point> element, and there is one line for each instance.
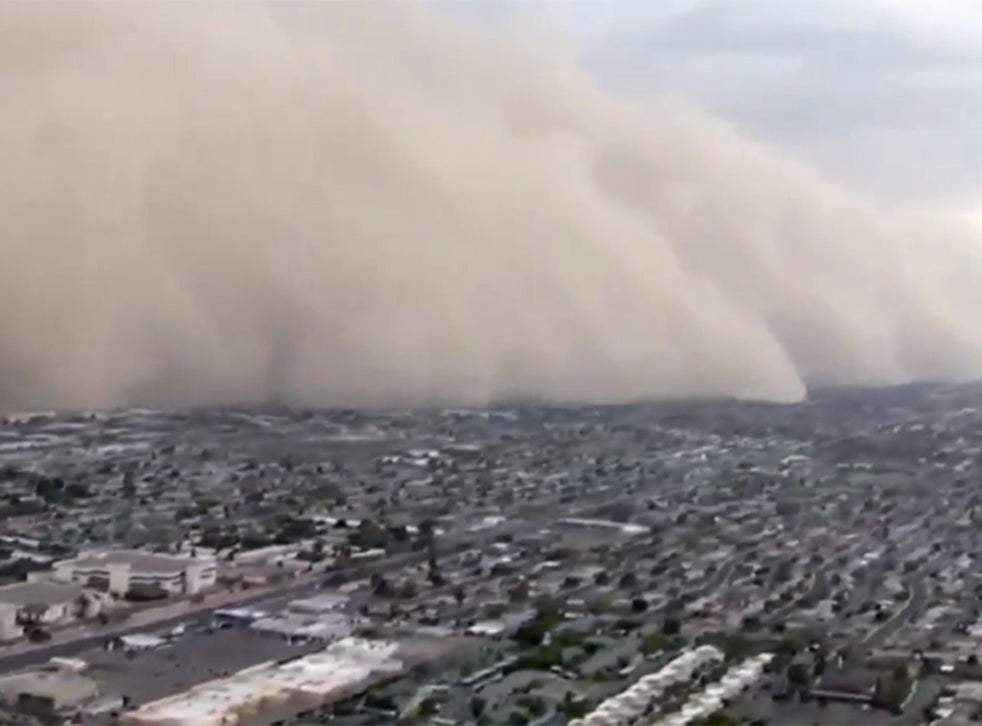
<point>883,94</point>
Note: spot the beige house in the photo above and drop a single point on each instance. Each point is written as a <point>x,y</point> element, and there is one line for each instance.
<point>38,603</point>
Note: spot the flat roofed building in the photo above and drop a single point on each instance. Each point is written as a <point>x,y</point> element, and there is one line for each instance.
<point>47,690</point>
<point>317,604</point>
<point>249,697</point>
<point>121,570</point>
<point>39,602</point>
<point>236,617</point>
<point>141,641</point>
<point>328,627</point>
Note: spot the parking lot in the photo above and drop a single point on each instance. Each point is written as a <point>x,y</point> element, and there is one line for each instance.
<point>196,656</point>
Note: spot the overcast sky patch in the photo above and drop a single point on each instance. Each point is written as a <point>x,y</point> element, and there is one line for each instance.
<point>883,94</point>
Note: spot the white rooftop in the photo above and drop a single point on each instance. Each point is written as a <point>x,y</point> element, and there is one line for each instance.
<point>225,700</point>
<point>141,641</point>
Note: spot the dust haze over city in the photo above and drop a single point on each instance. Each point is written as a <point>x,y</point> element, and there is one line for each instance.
<point>385,203</point>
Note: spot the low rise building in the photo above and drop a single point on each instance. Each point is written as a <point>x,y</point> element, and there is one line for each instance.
<point>46,691</point>
<point>121,570</point>
<point>37,603</point>
<point>139,642</point>
<point>320,604</point>
<point>629,705</point>
<point>299,628</point>
<point>248,697</point>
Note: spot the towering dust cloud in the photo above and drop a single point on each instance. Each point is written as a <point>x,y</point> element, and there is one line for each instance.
<point>364,203</point>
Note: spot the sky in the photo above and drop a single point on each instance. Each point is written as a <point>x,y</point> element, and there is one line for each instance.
<point>885,95</point>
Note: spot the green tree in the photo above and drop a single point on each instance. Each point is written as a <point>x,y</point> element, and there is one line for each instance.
<point>542,658</point>
<point>720,718</point>
<point>735,646</point>
<point>478,706</point>
<point>671,626</point>
<point>536,706</point>
<point>519,592</point>
<point>427,708</point>
<point>798,675</point>
<point>369,535</point>
<point>533,632</point>
<point>790,645</point>
<point>573,707</point>
<point>820,664</point>
<point>892,691</point>
<point>381,587</point>
<point>653,643</point>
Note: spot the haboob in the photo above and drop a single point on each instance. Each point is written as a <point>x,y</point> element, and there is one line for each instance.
<point>372,203</point>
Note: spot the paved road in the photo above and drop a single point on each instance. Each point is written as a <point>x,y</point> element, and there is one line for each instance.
<point>917,596</point>
<point>77,639</point>
<point>819,583</point>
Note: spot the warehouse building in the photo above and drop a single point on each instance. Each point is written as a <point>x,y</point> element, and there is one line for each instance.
<point>252,695</point>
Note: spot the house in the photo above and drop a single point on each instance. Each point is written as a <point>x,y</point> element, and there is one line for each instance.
<point>38,603</point>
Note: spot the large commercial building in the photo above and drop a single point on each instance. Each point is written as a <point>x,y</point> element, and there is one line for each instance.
<point>121,570</point>
<point>273,691</point>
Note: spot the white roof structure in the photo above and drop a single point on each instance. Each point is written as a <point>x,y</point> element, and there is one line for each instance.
<point>76,665</point>
<point>330,626</point>
<point>488,627</point>
<point>139,561</point>
<point>243,614</point>
<point>622,527</point>
<point>236,700</point>
<point>712,699</point>
<point>322,603</point>
<point>264,554</point>
<point>23,594</point>
<point>278,624</point>
<point>327,628</point>
<point>487,523</point>
<point>141,641</point>
<point>626,707</point>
